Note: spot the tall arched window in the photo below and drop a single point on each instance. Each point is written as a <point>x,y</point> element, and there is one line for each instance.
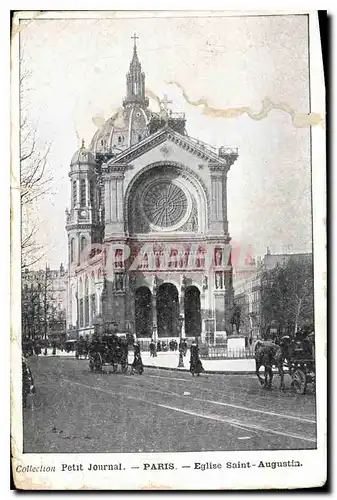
<point>80,304</point>
<point>72,250</point>
<point>82,193</point>
<point>92,192</point>
<point>86,302</point>
<point>83,243</point>
<point>74,192</point>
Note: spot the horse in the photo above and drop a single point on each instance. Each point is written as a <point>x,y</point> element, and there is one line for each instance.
<point>268,354</point>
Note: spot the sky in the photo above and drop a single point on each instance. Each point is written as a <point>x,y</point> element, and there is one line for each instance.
<point>76,79</point>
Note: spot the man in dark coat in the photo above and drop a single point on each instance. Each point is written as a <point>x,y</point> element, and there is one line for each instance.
<point>137,365</point>
<point>152,347</point>
<point>195,363</point>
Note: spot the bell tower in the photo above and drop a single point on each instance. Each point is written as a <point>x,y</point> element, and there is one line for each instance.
<point>135,81</point>
<point>83,220</point>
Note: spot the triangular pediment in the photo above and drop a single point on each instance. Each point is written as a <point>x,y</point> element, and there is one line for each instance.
<point>196,148</point>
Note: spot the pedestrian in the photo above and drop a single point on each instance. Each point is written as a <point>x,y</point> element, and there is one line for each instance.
<point>37,347</point>
<point>152,347</point>
<point>195,363</point>
<point>137,365</point>
<point>185,346</point>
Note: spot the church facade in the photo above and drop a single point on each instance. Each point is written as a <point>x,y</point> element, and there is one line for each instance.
<point>148,240</point>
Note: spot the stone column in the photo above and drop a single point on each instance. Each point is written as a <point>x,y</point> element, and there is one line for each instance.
<point>224,202</point>
<point>78,248</point>
<point>84,309</point>
<point>77,311</point>
<point>154,316</point>
<point>74,198</point>
<point>204,306</point>
<point>114,200</point>
<point>88,192</point>
<point>182,309</point>
<point>99,299</point>
<point>74,306</point>
<point>78,192</point>
<point>217,173</point>
<point>90,305</point>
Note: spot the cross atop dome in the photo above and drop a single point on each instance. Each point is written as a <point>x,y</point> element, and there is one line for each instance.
<point>134,38</point>
<point>165,102</point>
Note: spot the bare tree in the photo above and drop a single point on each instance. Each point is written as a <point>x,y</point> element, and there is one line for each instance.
<point>35,180</point>
<point>287,296</point>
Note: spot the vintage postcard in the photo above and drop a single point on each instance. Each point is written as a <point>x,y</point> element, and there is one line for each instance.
<point>168,322</point>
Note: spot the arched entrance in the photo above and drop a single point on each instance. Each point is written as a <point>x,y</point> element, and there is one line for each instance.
<point>192,312</point>
<point>167,311</point>
<point>143,312</point>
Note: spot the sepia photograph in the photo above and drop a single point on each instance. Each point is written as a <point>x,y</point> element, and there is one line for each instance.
<point>168,194</point>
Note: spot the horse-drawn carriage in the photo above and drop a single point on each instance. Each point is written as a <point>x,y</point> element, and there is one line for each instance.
<point>109,350</point>
<point>297,355</point>
<point>301,364</point>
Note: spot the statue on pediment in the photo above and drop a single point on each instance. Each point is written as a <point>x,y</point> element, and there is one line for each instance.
<point>218,281</point>
<point>218,256</point>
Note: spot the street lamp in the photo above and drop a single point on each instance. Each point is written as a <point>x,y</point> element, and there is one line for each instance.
<point>154,336</point>
<point>181,350</point>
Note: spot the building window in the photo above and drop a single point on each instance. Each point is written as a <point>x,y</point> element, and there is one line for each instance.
<point>86,310</point>
<point>74,193</point>
<point>82,193</point>
<point>93,305</point>
<point>80,316</point>
<point>83,243</point>
<point>92,192</point>
<point>72,250</point>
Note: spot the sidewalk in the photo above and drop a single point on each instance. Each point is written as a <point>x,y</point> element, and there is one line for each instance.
<point>170,360</point>
<point>58,353</point>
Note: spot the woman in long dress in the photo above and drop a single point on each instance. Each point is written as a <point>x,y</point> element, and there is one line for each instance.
<point>137,365</point>
<point>195,363</point>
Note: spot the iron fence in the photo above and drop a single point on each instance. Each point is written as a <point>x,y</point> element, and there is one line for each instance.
<point>209,351</point>
<point>222,352</point>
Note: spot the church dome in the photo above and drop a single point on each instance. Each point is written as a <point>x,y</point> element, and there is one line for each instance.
<point>125,128</point>
<point>83,156</point>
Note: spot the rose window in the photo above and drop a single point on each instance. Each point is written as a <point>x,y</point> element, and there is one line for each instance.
<point>165,204</point>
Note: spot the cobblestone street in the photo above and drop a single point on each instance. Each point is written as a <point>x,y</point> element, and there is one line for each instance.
<point>76,411</point>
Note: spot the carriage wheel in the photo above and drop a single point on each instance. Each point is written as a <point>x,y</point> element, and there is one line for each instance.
<point>124,367</point>
<point>114,367</point>
<point>299,381</point>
